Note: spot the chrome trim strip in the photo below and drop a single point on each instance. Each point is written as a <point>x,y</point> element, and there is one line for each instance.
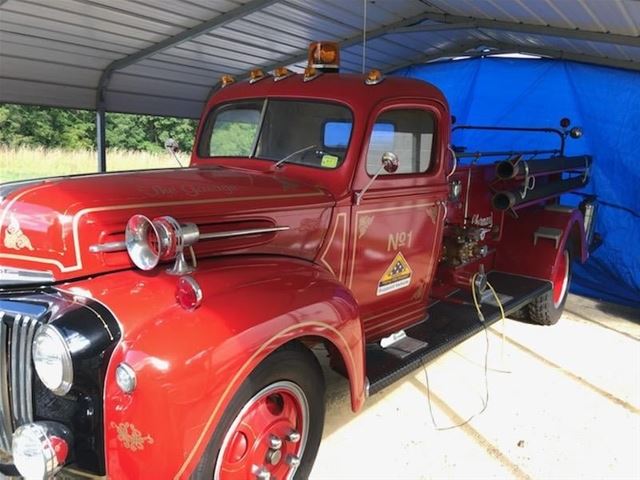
<point>15,352</point>
<point>23,367</point>
<point>21,376</point>
<point>240,233</point>
<point>17,276</point>
<point>5,407</point>
<point>108,247</point>
<point>121,246</point>
<point>28,369</point>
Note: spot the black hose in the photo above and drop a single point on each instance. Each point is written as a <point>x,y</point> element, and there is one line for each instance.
<point>508,169</point>
<point>506,199</point>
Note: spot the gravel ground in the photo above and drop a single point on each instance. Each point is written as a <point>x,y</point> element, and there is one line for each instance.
<point>564,403</point>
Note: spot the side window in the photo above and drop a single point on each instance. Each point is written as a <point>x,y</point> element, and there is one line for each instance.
<point>407,133</point>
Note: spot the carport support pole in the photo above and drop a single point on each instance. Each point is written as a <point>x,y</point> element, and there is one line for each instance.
<point>101,134</point>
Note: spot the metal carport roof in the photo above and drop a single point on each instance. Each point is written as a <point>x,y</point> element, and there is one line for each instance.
<point>161,57</point>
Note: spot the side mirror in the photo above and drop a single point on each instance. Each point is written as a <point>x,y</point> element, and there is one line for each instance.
<point>173,148</point>
<point>171,145</point>
<point>389,163</point>
<point>575,132</point>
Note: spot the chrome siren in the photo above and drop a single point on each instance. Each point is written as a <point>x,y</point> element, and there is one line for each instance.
<point>150,241</point>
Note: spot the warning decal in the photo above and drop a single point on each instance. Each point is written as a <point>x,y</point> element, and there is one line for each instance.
<point>397,276</point>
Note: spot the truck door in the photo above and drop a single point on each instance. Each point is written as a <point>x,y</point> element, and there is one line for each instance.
<point>396,225</point>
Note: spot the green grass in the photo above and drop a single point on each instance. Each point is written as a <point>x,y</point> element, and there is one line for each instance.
<point>35,162</point>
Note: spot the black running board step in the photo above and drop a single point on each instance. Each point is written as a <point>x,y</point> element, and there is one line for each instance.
<point>450,322</point>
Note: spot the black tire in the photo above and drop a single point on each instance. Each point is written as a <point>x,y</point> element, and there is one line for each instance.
<point>291,363</point>
<point>544,310</point>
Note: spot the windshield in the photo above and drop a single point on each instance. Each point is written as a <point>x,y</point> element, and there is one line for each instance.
<point>306,133</point>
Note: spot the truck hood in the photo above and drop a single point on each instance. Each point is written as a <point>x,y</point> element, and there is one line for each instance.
<point>48,227</point>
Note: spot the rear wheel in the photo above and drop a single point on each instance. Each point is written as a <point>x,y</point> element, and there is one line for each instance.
<point>547,309</point>
<point>273,426</point>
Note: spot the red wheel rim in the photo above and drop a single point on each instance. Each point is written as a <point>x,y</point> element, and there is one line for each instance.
<point>267,438</point>
<point>561,279</point>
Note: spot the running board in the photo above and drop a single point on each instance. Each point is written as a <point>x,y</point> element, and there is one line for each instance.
<point>450,321</point>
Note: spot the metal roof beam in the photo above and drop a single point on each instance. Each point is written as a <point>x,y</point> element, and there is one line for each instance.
<point>576,34</point>
<point>200,29</point>
<point>349,42</point>
<point>562,54</point>
<point>455,51</point>
<point>454,22</point>
<point>503,48</point>
<point>435,27</point>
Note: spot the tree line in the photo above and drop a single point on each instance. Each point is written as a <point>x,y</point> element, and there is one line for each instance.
<point>75,129</point>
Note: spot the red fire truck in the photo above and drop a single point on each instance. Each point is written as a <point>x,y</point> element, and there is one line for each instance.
<point>165,324</point>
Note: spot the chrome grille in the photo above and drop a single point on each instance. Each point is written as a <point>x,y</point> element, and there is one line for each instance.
<point>16,373</point>
<point>5,408</point>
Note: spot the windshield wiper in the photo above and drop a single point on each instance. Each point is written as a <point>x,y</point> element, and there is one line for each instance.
<point>291,155</point>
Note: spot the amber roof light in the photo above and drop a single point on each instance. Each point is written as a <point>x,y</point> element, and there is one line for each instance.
<point>310,73</point>
<point>227,80</point>
<point>256,75</point>
<point>281,73</point>
<point>374,77</point>
<point>324,56</point>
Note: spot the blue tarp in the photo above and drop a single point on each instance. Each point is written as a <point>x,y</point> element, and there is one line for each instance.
<point>605,102</point>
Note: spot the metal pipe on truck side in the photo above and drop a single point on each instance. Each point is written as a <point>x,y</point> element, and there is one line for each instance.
<point>509,169</point>
<point>512,199</point>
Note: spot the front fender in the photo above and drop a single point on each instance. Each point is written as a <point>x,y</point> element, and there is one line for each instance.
<point>189,364</point>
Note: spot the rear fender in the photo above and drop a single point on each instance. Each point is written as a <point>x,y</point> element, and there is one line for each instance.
<point>189,364</point>
<point>521,253</point>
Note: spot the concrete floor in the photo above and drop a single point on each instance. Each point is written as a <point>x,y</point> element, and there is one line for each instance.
<point>564,402</point>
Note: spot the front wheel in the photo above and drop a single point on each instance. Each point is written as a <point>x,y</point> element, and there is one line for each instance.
<point>273,426</point>
<point>547,309</point>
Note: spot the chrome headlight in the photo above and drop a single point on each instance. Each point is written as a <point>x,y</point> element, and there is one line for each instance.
<point>52,360</point>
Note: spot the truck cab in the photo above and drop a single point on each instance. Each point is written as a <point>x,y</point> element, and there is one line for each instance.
<point>165,324</point>
<point>332,132</point>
